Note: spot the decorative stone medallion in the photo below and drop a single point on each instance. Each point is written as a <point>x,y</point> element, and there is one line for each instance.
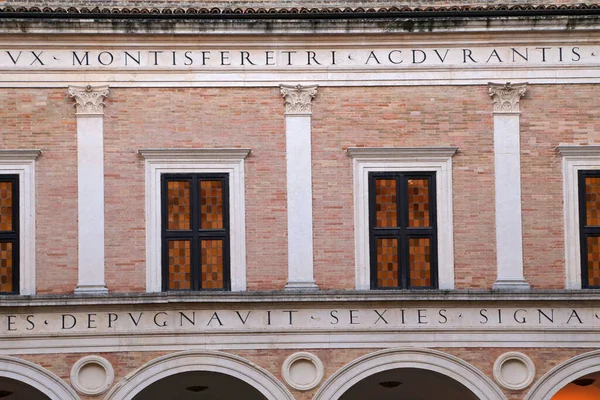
<point>514,371</point>
<point>303,371</point>
<point>92,375</point>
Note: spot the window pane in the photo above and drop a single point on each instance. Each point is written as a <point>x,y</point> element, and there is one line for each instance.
<point>6,267</point>
<point>593,257</point>
<point>418,203</point>
<point>211,205</point>
<point>212,264</point>
<point>385,203</point>
<point>6,210</point>
<point>179,264</point>
<point>592,201</point>
<point>178,200</point>
<point>387,262</point>
<point>419,252</point>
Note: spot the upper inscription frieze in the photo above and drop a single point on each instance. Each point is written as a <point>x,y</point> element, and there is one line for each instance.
<point>289,59</point>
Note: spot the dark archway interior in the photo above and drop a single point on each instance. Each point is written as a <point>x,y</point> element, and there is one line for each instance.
<point>11,389</point>
<point>200,385</point>
<point>408,384</point>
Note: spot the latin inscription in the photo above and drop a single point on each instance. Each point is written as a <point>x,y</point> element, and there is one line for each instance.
<point>340,58</point>
<point>282,319</point>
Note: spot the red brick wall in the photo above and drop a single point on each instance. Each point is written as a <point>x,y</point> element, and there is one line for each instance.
<point>45,119</point>
<point>342,118</point>
<point>550,115</point>
<point>175,118</point>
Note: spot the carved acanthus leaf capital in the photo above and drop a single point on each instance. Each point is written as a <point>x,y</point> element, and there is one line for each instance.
<point>89,100</point>
<point>507,96</point>
<point>298,98</point>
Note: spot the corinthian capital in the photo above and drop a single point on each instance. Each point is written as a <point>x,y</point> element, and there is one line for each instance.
<point>507,96</point>
<point>298,98</point>
<point>89,100</point>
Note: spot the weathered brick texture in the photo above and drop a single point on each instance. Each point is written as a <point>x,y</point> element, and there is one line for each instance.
<point>342,118</point>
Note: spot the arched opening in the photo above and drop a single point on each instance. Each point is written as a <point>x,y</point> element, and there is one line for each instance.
<point>585,388</point>
<point>575,379</point>
<point>409,369</point>
<point>11,389</point>
<point>200,375</point>
<point>408,383</point>
<point>24,380</point>
<point>199,385</point>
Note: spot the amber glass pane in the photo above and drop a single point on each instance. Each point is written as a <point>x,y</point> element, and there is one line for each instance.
<point>6,211</point>
<point>6,267</point>
<point>592,201</point>
<point>178,200</point>
<point>212,264</point>
<point>387,262</point>
<point>418,203</point>
<point>593,256</point>
<point>211,204</point>
<point>385,203</point>
<point>179,264</point>
<point>419,253</point>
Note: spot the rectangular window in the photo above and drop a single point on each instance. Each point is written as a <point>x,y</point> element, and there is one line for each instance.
<point>589,228</point>
<point>9,234</point>
<point>403,231</point>
<point>195,232</point>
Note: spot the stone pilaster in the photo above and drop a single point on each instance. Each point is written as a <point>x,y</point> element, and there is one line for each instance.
<point>299,185</point>
<point>507,161</point>
<point>89,103</point>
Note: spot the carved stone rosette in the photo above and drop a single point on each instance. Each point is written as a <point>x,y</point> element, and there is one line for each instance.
<point>89,100</point>
<point>298,98</point>
<point>507,96</point>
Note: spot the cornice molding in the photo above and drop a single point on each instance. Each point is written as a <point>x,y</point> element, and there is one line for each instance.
<point>579,150</point>
<point>155,10</point>
<point>401,152</point>
<point>298,99</point>
<point>89,100</point>
<point>506,97</point>
<point>19,155</point>
<point>194,154</point>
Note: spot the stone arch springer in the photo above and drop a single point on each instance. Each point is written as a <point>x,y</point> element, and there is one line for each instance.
<point>36,376</point>
<point>190,361</point>
<point>409,357</point>
<point>564,373</point>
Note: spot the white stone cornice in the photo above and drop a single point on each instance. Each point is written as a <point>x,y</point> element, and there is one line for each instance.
<point>579,151</point>
<point>298,99</point>
<point>194,154</point>
<point>401,152</point>
<point>506,96</point>
<point>20,155</point>
<point>89,100</point>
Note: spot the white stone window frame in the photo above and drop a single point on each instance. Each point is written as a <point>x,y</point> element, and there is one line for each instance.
<point>175,161</point>
<point>404,159</point>
<point>22,164</point>
<point>574,159</point>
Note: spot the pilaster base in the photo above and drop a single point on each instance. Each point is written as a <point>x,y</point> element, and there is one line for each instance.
<point>301,286</point>
<point>91,289</point>
<point>511,285</point>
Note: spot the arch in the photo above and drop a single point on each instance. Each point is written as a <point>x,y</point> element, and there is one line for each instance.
<point>211,361</point>
<point>427,359</point>
<point>36,376</point>
<point>564,373</point>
